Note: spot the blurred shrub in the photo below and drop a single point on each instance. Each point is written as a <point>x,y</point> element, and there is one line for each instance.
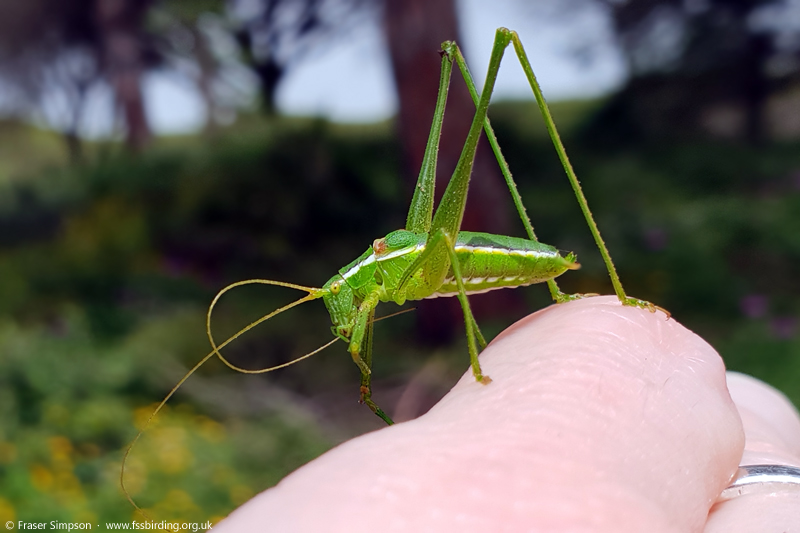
<point>71,402</point>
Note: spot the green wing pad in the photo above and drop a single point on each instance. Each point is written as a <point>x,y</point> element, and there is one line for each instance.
<point>488,241</point>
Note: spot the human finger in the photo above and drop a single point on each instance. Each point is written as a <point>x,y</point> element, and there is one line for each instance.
<point>772,437</point>
<point>600,417</point>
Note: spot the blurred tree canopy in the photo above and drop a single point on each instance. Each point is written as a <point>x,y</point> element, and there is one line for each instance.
<point>275,34</point>
<point>704,66</point>
<point>736,55</point>
<point>51,53</point>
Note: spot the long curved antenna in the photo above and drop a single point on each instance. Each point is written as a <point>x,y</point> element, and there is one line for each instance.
<point>314,293</point>
<point>396,313</point>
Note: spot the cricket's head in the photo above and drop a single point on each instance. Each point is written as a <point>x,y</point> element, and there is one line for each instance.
<point>340,301</point>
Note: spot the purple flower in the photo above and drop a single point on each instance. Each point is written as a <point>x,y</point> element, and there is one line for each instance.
<point>754,305</point>
<point>656,239</point>
<point>784,327</point>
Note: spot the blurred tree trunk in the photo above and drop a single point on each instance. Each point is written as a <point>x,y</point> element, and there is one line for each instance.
<point>270,73</point>
<point>756,87</point>
<point>415,30</point>
<point>74,147</point>
<point>208,70</point>
<point>71,135</point>
<point>120,24</point>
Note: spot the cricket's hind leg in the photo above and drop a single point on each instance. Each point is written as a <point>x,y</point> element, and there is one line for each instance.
<point>573,179</point>
<point>556,293</point>
<point>455,51</point>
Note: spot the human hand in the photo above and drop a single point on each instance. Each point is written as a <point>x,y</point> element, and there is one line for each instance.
<point>599,418</point>
<point>772,432</point>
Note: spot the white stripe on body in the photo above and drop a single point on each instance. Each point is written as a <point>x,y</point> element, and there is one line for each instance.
<point>375,257</point>
<point>459,248</point>
<point>502,251</point>
<point>469,292</point>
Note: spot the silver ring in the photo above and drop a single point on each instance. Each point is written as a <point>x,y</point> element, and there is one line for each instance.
<point>762,479</point>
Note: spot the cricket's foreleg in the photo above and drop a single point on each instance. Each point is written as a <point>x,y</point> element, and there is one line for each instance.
<point>361,352</point>
<point>366,379</point>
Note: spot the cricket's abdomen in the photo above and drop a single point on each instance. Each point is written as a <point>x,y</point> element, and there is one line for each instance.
<point>491,262</point>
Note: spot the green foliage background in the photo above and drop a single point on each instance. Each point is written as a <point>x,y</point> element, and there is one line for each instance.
<point>106,270</point>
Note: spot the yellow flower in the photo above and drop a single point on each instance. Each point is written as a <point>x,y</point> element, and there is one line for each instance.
<point>41,478</point>
<point>8,452</point>
<point>171,449</point>
<point>240,494</point>
<point>143,414</point>
<point>7,513</point>
<point>61,451</point>
<point>211,430</point>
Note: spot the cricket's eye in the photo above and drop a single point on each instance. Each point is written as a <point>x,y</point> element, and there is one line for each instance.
<point>336,286</point>
<point>379,246</point>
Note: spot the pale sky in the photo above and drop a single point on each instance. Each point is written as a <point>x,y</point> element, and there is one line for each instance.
<point>349,80</point>
<point>359,87</point>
